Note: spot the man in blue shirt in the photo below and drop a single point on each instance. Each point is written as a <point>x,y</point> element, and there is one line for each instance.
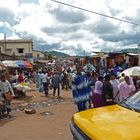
<point>80,88</point>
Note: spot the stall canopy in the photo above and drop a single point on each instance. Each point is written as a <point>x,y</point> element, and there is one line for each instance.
<point>16,64</point>
<point>24,64</point>
<point>20,63</point>
<point>2,66</point>
<point>9,63</point>
<point>27,64</point>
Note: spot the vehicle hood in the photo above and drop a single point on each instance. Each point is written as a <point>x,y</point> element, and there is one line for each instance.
<point>109,123</point>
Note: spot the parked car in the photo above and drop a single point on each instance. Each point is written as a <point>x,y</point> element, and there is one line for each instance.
<point>114,122</point>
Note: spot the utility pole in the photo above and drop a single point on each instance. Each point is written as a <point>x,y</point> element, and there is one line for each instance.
<point>139,54</point>
<point>5,42</point>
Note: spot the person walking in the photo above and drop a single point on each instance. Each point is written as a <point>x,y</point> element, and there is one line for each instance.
<point>126,89</point>
<point>34,76</point>
<point>55,82</point>
<point>44,79</point>
<point>38,79</point>
<point>80,88</point>
<point>91,84</point>
<point>5,90</point>
<point>69,79</point>
<point>97,93</point>
<point>114,82</point>
<point>107,91</point>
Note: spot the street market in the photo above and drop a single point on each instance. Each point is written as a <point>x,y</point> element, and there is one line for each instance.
<point>69,70</point>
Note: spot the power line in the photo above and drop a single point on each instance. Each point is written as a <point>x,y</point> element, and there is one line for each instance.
<point>122,20</point>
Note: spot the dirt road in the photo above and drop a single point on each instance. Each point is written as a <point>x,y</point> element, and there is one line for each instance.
<point>50,122</point>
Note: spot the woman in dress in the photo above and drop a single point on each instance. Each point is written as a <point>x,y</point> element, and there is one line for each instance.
<point>97,93</point>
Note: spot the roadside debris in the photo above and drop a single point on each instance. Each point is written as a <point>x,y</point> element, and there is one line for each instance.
<point>36,105</point>
<point>30,111</point>
<point>46,114</point>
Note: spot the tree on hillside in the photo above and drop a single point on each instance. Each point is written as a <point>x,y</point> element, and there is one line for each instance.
<point>50,57</point>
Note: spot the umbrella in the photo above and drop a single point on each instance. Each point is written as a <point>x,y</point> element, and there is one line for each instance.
<point>20,63</point>
<point>134,71</point>
<point>27,64</point>
<point>9,63</point>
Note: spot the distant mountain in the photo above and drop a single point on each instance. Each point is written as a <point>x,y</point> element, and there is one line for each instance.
<point>130,50</point>
<point>58,54</point>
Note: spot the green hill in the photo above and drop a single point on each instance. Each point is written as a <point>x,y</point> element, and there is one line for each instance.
<point>58,54</point>
<point>130,50</point>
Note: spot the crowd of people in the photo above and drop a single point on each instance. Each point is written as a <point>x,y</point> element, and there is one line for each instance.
<point>89,88</point>
<point>46,80</point>
<point>92,89</point>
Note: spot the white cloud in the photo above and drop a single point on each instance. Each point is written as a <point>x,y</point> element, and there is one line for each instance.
<point>33,19</point>
<point>10,4</point>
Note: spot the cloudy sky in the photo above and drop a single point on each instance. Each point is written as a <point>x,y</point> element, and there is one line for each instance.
<point>53,26</point>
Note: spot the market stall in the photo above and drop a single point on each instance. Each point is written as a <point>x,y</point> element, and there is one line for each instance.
<point>20,89</point>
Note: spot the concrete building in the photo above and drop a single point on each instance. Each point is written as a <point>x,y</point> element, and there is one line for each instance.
<point>38,55</point>
<point>18,47</point>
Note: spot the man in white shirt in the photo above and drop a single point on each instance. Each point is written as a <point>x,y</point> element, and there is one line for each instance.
<point>115,82</point>
<point>44,79</point>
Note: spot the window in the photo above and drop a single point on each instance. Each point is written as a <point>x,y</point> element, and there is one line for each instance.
<point>20,50</point>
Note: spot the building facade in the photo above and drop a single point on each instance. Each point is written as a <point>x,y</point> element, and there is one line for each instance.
<point>17,47</point>
<point>38,55</point>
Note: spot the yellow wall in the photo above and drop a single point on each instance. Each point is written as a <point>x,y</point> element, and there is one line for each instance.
<point>38,54</point>
<point>11,46</point>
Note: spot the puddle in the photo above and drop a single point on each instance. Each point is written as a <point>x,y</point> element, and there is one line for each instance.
<point>36,105</point>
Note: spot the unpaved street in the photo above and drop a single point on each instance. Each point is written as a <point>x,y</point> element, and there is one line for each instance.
<point>50,122</point>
